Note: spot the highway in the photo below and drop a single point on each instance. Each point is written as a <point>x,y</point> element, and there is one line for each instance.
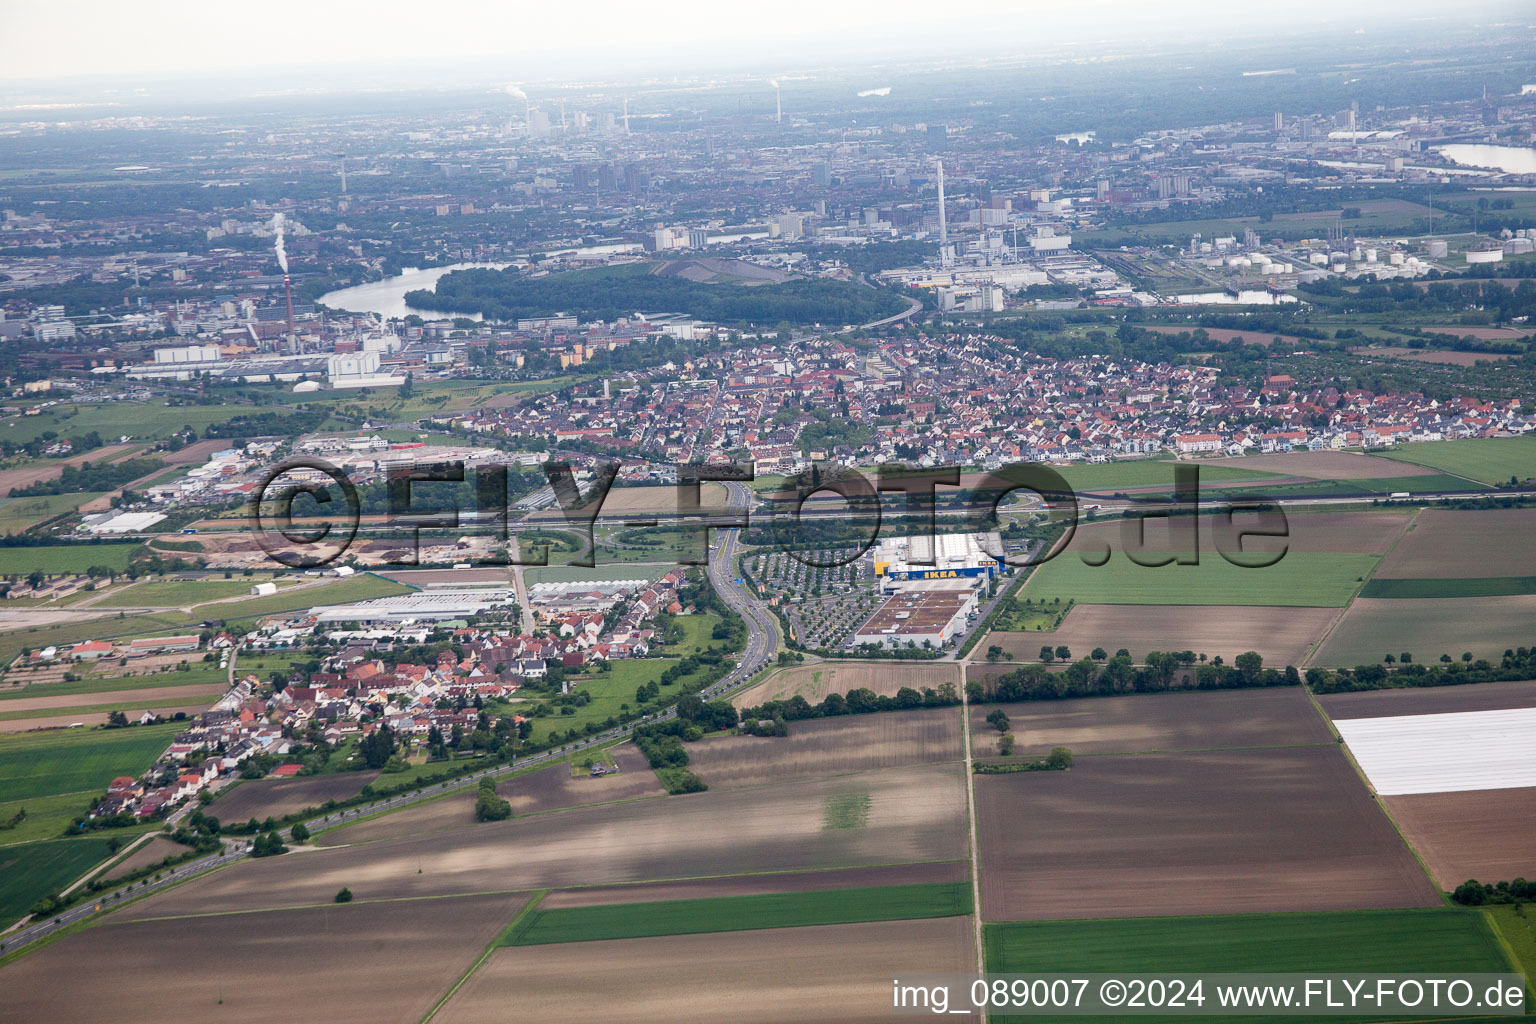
<point>762,644</point>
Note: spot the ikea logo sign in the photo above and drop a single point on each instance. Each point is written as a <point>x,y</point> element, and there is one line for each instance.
<point>942,574</point>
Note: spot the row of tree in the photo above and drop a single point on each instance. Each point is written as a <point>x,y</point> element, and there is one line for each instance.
<point>1160,672</point>
<point>859,701</point>
<point>1516,663</point>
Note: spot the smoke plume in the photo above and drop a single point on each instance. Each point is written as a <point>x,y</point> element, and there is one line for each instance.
<point>282,251</point>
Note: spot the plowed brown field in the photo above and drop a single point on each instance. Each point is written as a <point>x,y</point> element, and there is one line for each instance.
<point>362,961</point>
<point>1142,723</point>
<point>831,746</point>
<point>907,815</point>
<point>1485,834</point>
<point>836,972</point>
<point>1244,831</point>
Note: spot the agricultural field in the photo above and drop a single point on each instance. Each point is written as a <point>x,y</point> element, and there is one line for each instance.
<point>747,977</point>
<point>1326,558</point>
<point>909,815</point>
<point>264,798</point>
<point>649,500</point>
<point>326,957</point>
<point>1300,579</point>
<point>65,558</point>
<point>925,874</point>
<point>152,851</point>
<point>1482,834</point>
<point>1426,628</point>
<point>22,703</point>
<point>1096,479</point>
<point>30,471</point>
<point>18,515</point>
<point>742,913</point>
<point>107,676</point>
<point>1455,545</point>
<point>1385,941</point>
<point>361,587</point>
<point>1156,722</point>
<point>1489,460</point>
<point>1441,357</point>
<point>1283,636</point>
<point>1220,832</point>
<point>831,746</point>
<point>1326,465</point>
<point>76,760</point>
<point>141,421</point>
<point>814,682</point>
<point>1444,753</point>
<point>179,593</point>
<point>30,871</point>
<point>97,714</point>
<point>548,789</point>
<point>1430,700</point>
<point>1482,586</point>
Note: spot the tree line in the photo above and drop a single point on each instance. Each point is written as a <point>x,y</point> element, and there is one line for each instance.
<point>1159,672</point>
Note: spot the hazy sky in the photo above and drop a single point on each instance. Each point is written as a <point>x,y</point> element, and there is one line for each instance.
<point>152,37</point>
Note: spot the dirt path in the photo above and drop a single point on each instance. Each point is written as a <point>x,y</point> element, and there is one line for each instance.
<point>970,817</point>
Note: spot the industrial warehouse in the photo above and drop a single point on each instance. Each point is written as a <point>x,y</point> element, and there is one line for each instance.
<point>934,584</point>
<point>435,604</point>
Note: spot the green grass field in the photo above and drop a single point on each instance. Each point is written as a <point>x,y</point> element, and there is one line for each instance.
<point>1433,483</point>
<point>1519,932</point>
<point>1492,586</point>
<point>1388,941</point>
<point>696,634</point>
<point>744,913</point>
<point>1489,460</point>
<point>31,871</point>
<point>49,816</point>
<point>129,708</point>
<point>1149,473</point>
<point>141,421</point>
<point>610,690</point>
<point>198,673</point>
<point>18,515</point>
<point>1300,579</point>
<point>76,760</point>
<point>176,593</point>
<point>64,558</point>
<point>361,587</point>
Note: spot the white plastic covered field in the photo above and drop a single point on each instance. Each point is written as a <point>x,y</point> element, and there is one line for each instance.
<point>1445,753</point>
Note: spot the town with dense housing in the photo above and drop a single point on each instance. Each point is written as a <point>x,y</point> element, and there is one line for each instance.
<point>771,534</point>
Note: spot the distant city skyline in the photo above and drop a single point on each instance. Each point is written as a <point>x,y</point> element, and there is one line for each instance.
<point>177,37</point>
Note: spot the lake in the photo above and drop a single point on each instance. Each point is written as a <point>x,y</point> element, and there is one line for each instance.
<point>387,297</point>
<point>1510,159</point>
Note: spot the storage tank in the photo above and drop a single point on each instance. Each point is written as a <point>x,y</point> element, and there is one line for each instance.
<point>1437,249</point>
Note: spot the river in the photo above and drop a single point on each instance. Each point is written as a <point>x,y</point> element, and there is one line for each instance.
<point>1510,159</point>
<point>387,297</point>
